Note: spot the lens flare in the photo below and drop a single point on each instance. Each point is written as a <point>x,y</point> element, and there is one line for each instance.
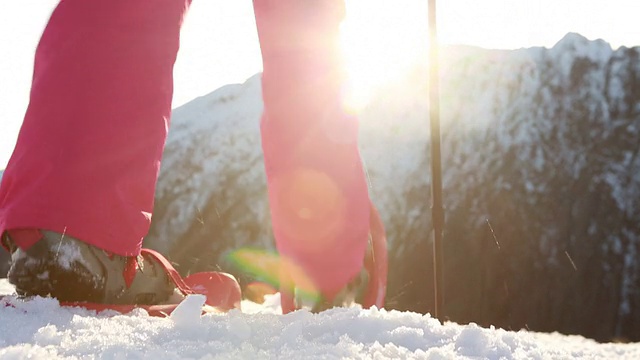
<point>273,271</point>
<point>308,205</point>
<point>257,290</point>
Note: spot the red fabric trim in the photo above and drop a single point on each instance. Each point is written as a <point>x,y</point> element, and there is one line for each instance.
<point>130,270</point>
<point>24,238</point>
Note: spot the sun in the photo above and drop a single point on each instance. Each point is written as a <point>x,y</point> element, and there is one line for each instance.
<point>380,40</point>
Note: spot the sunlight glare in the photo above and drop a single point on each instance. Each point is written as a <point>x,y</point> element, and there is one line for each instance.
<point>380,41</point>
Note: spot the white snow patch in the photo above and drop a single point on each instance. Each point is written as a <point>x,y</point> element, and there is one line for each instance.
<point>67,253</point>
<point>41,329</point>
<point>189,310</point>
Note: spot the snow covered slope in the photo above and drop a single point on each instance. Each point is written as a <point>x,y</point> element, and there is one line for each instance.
<point>40,329</point>
<point>541,177</point>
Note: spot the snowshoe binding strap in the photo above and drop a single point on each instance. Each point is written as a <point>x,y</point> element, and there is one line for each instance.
<point>171,272</point>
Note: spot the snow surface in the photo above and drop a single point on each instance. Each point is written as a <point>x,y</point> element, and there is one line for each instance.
<point>41,329</point>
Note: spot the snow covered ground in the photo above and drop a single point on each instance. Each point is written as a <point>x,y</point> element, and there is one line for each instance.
<point>40,329</point>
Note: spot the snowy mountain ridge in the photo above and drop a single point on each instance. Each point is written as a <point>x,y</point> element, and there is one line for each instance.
<point>215,143</point>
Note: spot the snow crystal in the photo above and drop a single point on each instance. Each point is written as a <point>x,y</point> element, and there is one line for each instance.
<point>67,253</point>
<point>189,310</point>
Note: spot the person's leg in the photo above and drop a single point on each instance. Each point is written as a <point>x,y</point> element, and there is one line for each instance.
<point>86,162</point>
<point>88,154</point>
<point>317,188</point>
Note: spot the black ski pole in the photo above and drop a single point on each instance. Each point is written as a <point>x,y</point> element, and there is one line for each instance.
<point>437,211</point>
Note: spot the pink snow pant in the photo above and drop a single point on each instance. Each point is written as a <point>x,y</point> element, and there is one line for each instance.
<point>88,154</point>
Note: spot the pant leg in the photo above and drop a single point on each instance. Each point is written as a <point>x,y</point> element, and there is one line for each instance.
<point>88,153</point>
<point>317,189</point>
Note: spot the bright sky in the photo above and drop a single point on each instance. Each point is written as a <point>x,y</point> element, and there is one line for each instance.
<point>219,42</point>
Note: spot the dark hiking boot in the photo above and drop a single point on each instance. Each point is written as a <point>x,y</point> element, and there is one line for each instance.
<point>70,270</point>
